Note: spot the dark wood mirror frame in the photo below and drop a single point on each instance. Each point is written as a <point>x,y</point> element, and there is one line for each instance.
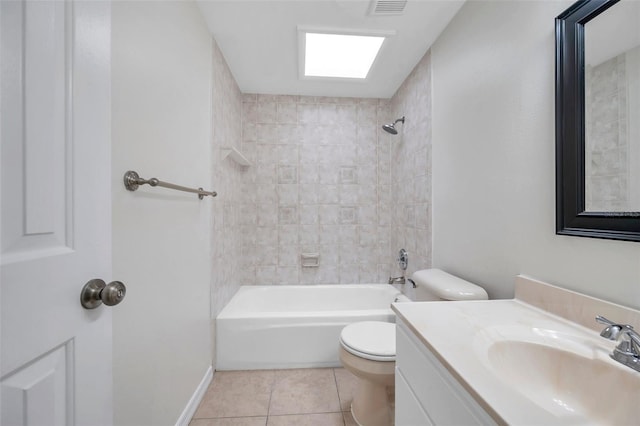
<point>571,217</point>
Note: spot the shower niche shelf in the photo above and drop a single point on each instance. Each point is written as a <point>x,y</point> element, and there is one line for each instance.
<point>236,156</point>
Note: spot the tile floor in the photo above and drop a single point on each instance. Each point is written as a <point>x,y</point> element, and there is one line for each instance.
<point>302,397</point>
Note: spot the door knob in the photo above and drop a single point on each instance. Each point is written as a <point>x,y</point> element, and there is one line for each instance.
<point>96,292</point>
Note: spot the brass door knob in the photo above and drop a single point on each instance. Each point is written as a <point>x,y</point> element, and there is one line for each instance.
<point>96,292</point>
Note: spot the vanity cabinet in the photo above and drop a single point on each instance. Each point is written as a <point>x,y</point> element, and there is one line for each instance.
<point>426,393</point>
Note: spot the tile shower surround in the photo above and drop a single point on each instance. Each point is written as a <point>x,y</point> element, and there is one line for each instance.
<point>325,179</point>
<point>607,165</point>
<point>226,256</point>
<point>321,170</point>
<point>410,192</point>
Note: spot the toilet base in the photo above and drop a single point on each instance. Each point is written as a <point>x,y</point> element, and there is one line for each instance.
<point>371,405</point>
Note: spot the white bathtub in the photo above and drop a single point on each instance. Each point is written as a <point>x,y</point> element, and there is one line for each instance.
<point>295,326</point>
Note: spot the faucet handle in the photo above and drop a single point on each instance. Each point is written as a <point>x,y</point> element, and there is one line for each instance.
<point>403,259</point>
<point>603,320</point>
<point>634,342</point>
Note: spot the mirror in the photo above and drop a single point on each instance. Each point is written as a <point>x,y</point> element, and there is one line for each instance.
<point>598,120</point>
<point>612,109</point>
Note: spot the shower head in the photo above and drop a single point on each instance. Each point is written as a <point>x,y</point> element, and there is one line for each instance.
<point>391,128</point>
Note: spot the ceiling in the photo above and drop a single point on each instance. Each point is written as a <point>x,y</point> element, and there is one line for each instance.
<point>259,40</point>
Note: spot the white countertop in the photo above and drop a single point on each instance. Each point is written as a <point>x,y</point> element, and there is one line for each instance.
<point>459,334</point>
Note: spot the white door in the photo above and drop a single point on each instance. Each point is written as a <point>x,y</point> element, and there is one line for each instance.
<point>56,211</point>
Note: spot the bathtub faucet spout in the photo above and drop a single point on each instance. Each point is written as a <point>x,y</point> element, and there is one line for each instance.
<point>401,280</point>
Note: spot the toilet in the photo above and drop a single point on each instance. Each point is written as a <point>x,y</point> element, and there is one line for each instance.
<point>368,348</point>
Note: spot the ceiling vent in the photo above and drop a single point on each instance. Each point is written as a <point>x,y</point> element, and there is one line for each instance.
<point>387,7</point>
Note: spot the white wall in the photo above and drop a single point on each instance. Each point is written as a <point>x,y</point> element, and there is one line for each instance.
<point>494,162</point>
<point>161,244</point>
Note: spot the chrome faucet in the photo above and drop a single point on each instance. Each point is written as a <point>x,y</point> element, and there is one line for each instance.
<point>628,350</point>
<point>403,261</point>
<point>401,280</point>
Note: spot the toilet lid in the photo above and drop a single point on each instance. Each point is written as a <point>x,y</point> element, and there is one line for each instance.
<point>374,340</point>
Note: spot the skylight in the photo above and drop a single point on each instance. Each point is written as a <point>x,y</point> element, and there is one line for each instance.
<point>339,55</point>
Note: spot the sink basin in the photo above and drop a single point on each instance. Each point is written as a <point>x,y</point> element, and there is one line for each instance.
<point>569,376</point>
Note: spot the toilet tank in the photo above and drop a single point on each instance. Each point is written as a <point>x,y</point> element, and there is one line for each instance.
<point>435,284</point>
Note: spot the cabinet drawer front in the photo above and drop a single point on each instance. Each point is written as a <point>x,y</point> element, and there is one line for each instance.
<point>442,397</point>
<point>409,411</point>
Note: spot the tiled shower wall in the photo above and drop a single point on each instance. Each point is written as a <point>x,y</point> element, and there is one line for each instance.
<point>608,172</point>
<point>227,181</point>
<point>318,186</point>
<point>410,193</point>
<point>325,179</point>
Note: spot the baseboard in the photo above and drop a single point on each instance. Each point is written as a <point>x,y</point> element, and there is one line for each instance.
<point>197,396</point>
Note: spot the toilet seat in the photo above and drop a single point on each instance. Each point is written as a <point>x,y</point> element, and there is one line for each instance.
<point>373,340</point>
